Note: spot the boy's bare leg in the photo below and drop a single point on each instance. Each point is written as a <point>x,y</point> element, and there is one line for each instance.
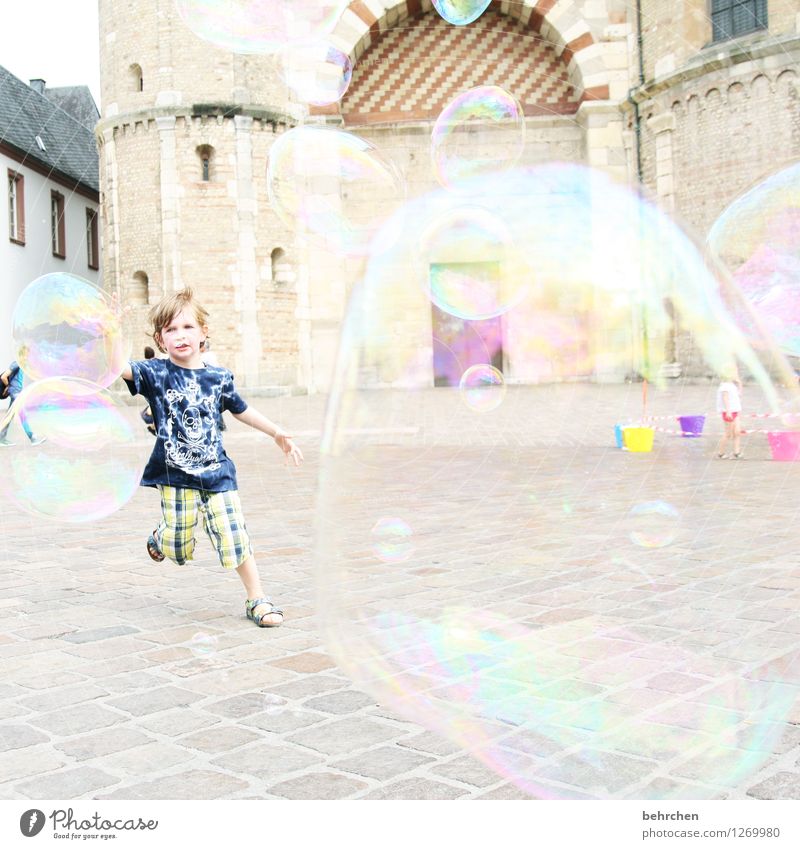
<point>248,572</point>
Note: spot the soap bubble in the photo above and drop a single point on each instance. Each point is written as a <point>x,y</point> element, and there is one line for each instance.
<point>392,540</point>
<point>479,132</point>
<point>757,237</point>
<point>328,184</point>
<point>469,264</point>
<point>653,524</point>
<point>77,455</point>
<point>527,625</point>
<point>317,73</point>
<point>63,326</point>
<point>482,388</point>
<point>204,645</point>
<point>260,26</point>
<point>461,12</point>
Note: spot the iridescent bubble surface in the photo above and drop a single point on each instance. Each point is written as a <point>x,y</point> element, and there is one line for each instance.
<point>482,131</point>
<point>259,26</point>
<point>77,452</point>
<point>392,539</point>
<point>63,326</point>
<point>757,237</point>
<point>317,73</point>
<point>461,12</point>
<point>653,524</point>
<point>327,184</point>
<point>482,388</point>
<point>528,626</point>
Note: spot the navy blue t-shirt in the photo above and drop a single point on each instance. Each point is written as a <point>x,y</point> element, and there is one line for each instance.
<point>187,406</point>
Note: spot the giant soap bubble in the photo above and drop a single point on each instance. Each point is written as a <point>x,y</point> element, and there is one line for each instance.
<point>328,184</point>
<point>63,326</point>
<point>260,26</point>
<point>76,454</point>
<point>575,616</point>
<point>757,237</point>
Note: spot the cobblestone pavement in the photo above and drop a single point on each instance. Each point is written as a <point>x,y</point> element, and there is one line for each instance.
<point>123,679</point>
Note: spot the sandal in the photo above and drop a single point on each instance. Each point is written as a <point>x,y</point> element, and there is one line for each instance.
<point>152,548</point>
<point>251,604</point>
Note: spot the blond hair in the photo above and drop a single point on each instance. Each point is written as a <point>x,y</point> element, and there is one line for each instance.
<point>169,306</point>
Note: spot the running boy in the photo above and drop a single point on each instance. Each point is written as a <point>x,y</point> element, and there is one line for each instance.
<point>189,466</point>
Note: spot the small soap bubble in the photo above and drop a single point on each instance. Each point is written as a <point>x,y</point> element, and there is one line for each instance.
<point>482,388</point>
<point>482,131</point>
<point>260,26</point>
<point>653,524</point>
<point>273,704</point>
<point>64,326</point>
<point>757,238</point>
<point>317,73</point>
<point>328,184</point>
<point>392,540</point>
<point>461,12</point>
<point>76,453</point>
<point>203,645</point>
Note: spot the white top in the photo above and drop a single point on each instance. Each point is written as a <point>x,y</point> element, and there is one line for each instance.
<point>734,398</point>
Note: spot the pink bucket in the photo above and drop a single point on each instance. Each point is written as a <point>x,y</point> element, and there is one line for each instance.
<point>784,444</point>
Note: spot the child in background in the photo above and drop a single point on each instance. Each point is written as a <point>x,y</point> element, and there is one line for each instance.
<point>13,379</point>
<point>729,405</point>
<point>189,466</point>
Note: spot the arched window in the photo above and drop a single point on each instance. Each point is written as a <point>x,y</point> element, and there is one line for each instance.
<point>140,289</point>
<point>282,273</point>
<point>205,152</point>
<point>137,81</point>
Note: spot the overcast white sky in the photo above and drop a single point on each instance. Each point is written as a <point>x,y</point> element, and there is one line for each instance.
<point>55,40</point>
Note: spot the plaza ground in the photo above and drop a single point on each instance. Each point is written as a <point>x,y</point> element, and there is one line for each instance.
<point>125,679</point>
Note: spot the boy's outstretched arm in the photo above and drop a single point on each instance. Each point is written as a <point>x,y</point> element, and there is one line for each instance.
<point>256,420</point>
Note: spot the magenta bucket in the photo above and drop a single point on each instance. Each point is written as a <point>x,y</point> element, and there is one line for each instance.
<point>691,425</point>
<point>784,444</point>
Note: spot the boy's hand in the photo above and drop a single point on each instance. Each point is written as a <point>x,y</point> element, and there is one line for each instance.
<point>284,442</point>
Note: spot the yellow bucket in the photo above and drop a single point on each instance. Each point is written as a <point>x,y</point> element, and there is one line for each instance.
<point>638,438</point>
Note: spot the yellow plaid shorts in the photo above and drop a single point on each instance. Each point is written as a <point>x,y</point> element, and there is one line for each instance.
<point>222,519</point>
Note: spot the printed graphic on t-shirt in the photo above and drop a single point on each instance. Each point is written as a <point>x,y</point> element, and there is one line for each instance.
<point>191,441</point>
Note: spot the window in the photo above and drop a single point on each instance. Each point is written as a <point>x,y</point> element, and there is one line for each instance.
<point>16,207</point>
<point>206,154</point>
<point>139,290</point>
<point>92,240</point>
<point>730,18</point>
<point>57,235</point>
<point>137,80</point>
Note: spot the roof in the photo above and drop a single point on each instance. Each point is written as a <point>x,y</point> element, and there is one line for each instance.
<point>75,100</point>
<point>69,146</point>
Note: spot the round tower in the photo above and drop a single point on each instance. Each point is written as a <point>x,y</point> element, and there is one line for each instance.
<point>184,136</point>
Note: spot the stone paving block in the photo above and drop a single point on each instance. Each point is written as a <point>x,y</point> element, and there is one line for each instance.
<point>67,784</point>
<point>382,763</point>
<point>722,767</point>
<point>601,774</point>
<point>309,686</point>
<point>162,698</point>
<point>431,743</point>
<point>344,735</point>
<point>77,719</point>
<point>237,707</point>
<point>253,676</point>
<point>305,662</point>
<point>508,792</point>
<point>23,763</point>
<point>467,770</point>
<point>221,738</point>
<point>280,719</point>
<point>58,697</point>
<point>782,785</point>
<point>191,784</point>
<point>174,723</point>
<point>268,762</point>
<point>318,785</point>
<point>144,761</point>
<point>102,743</point>
<point>19,736</point>
<point>417,789</point>
<point>344,701</point>
<point>103,668</point>
<point>99,634</point>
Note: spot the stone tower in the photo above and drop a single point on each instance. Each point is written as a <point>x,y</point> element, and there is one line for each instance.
<point>184,136</point>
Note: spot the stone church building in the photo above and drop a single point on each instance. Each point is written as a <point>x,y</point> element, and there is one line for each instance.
<point>697,99</point>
